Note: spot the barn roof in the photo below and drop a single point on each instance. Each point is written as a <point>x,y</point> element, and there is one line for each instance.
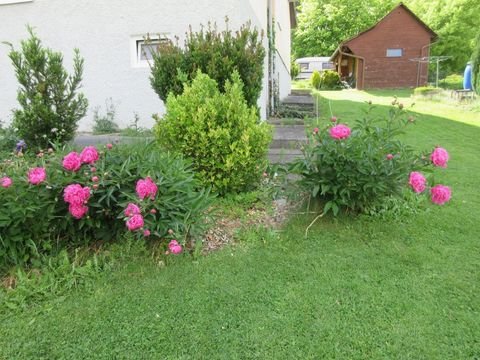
<point>433,34</point>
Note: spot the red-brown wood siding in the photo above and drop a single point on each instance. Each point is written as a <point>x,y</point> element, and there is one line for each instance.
<point>398,30</point>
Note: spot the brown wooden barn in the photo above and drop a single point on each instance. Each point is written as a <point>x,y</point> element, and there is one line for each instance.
<point>381,57</point>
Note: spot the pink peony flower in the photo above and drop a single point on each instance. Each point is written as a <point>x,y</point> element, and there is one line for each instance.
<point>440,194</point>
<point>153,211</point>
<point>439,157</point>
<point>339,132</point>
<point>389,156</point>
<point>77,211</point>
<point>89,155</point>
<point>417,181</point>
<point>75,194</point>
<point>135,222</point>
<point>146,232</point>
<point>109,146</point>
<point>315,131</point>
<point>333,119</point>
<point>37,175</point>
<point>93,169</point>
<point>146,188</point>
<point>72,162</point>
<point>6,182</point>
<point>95,179</point>
<point>175,247</point>
<point>131,210</point>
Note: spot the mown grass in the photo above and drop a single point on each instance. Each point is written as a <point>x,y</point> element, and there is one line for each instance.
<point>357,288</point>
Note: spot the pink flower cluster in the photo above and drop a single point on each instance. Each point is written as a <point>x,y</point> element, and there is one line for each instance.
<point>175,247</point>
<point>6,182</point>
<point>76,196</point>
<point>417,181</point>
<point>36,175</point>
<point>135,222</point>
<point>439,157</point>
<point>440,194</point>
<point>73,161</point>
<point>89,155</point>
<point>146,188</point>
<point>339,132</point>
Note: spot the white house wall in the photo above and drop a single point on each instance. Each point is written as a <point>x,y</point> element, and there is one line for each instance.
<point>283,45</point>
<point>103,30</point>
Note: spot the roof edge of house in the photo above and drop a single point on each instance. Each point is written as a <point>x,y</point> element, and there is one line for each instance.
<point>433,34</point>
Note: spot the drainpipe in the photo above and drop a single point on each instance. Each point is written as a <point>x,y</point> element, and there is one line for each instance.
<point>356,57</point>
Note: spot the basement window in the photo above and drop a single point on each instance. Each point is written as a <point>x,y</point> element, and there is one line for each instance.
<point>394,52</point>
<point>143,50</point>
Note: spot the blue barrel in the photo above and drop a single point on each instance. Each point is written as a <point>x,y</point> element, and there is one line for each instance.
<point>467,78</point>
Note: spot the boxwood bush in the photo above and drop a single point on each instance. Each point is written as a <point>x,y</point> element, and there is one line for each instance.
<point>219,132</point>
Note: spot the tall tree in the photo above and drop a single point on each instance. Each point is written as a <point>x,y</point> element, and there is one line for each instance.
<point>323,24</point>
<point>476,65</point>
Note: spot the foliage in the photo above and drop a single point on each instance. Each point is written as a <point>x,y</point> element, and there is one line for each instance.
<point>323,24</point>
<point>105,124</point>
<point>294,69</point>
<point>316,80</point>
<point>452,82</point>
<point>135,130</point>
<point>216,53</point>
<point>426,91</point>
<point>34,219</point>
<point>330,80</point>
<point>358,172</point>
<point>8,138</point>
<point>48,96</point>
<point>476,65</point>
<point>218,131</point>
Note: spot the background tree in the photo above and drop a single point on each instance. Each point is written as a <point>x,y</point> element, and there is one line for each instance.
<point>50,103</point>
<point>323,24</point>
<point>476,65</point>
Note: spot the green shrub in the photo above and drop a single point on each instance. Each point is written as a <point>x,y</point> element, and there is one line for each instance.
<point>427,91</point>
<point>357,173</point>
<point>219,132</point>
<point>215,53</point>
<point>294,69</point>
<point>35,219</point>
<point>50,103</point>
<point>105,124</point>
<point>8,138</point>
<point>316,80</point>
<point>452,82</point>
<point>330,80</point>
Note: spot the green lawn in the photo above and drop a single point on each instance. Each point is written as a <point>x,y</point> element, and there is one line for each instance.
<point>358,288</point>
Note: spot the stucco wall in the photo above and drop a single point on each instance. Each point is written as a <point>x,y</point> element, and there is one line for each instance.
<point>102,30</point>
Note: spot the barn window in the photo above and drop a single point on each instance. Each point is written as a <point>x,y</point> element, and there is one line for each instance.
<point>394,52</point>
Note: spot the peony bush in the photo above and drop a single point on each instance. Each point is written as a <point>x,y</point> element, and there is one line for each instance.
<point>62,200</point>
<point>356,169</point>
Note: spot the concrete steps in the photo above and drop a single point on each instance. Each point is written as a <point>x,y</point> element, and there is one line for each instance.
<point>289,127</point>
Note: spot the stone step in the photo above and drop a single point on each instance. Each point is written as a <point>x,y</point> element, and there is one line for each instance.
<point>301,92</point>
<point>288,137</point>
<point>284,156</point>
<point>278,121</point>
<point>298,100</point>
